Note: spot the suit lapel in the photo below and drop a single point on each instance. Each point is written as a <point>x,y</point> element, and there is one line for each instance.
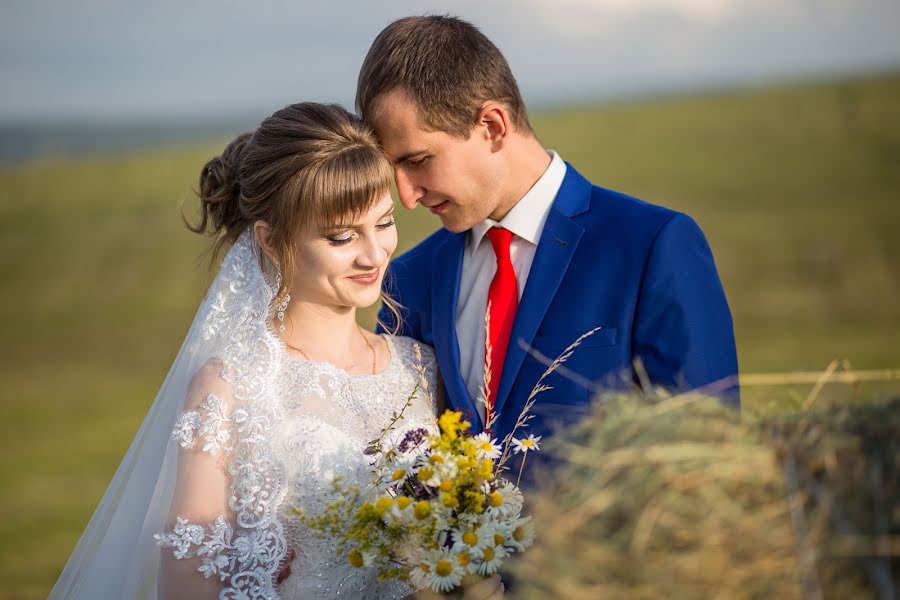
<point>447,267</point>
<point>552,256</point>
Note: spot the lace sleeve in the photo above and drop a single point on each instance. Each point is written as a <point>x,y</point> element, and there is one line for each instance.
<point>413,355</point>
<point>429,362</point>
<point>198,546</point>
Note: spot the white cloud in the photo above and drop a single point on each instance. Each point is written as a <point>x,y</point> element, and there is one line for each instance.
<point>201,56</point>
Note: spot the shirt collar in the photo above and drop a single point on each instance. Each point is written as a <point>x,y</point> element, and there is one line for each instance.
<point>527,217</point>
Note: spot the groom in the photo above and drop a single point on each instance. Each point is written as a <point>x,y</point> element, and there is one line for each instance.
<point>531,254</point>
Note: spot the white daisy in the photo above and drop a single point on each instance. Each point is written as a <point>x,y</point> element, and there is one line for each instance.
<point>401,511</point>
<point>428,475</point>
<point>360,558</point>
<point>522,534</point>
<point>445,572</point>
<point>468,520</point>
<point>467,562</point>
<point>472,541</point>
<point>529,443</point>
<point>505,500</point>
<point>486,447</point>
<point>491,559</point>
<point>444,466</point>
<point>418,575</point>
<point>503,529</point>
<point>440,515</point>
<point>405,460</point>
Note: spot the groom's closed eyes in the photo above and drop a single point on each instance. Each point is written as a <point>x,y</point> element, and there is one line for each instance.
<point>413,159</point>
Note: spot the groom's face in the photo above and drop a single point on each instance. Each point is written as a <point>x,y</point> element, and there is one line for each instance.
<point>455,179</point>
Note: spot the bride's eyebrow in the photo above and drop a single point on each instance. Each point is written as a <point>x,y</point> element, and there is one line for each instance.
<point>343,226</point>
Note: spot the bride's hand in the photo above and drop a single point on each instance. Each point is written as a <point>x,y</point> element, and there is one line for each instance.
<point>284,570</point>
<point>483,589</point>
<point>487,589</point>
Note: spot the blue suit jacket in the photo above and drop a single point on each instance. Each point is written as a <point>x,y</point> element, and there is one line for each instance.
<point>643,273</point>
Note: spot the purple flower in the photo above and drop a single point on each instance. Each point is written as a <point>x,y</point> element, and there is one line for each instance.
<point>412,439</point>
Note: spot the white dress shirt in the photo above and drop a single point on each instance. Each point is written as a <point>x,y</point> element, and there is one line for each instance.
<point>526,220</point>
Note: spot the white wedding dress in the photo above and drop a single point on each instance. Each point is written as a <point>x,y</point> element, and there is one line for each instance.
<point>239,434</point>
<point>329,419</point>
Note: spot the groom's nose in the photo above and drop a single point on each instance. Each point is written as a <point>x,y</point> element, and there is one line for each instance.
<point>410,193</point>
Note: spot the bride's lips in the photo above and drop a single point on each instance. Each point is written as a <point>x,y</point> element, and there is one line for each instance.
<point>367,279</point>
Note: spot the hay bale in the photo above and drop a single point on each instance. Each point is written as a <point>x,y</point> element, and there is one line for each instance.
<point>680,498</point>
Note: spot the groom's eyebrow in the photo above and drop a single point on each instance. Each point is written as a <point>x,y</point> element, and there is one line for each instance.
<point>407,156</point>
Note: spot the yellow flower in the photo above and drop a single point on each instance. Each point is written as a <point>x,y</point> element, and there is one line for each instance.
<point>446,485</point>
<point>403,502</point>
<point>443,567</point>
<point>422,509</point>
<point>475,501</point>
<point>383,504</point>
<point>470,449</point>
<point>451,424</point>
<point>356,559</point>
<point>365,511</point>
<point>399,474</point>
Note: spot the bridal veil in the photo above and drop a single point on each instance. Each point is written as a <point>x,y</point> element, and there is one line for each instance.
<point>118,555</point>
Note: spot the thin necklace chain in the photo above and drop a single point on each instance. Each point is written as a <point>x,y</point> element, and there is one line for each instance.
<point>365,339</point>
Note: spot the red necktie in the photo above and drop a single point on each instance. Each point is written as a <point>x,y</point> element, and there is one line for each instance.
<point>503,299</point>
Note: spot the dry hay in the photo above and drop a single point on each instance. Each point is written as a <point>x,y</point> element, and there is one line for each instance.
<point>680,498</point>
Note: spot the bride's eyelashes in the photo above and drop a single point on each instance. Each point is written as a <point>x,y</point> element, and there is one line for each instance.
<point>341,239</point>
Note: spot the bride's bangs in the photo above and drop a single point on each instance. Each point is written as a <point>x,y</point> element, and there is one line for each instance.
<point>348,185</point>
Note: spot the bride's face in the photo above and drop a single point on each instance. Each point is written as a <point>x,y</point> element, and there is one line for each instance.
<point>344,266</point>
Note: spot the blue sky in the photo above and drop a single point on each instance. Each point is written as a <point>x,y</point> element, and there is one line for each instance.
<point>207,58</point>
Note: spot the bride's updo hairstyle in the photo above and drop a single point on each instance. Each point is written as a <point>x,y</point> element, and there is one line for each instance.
<point>307,164</point>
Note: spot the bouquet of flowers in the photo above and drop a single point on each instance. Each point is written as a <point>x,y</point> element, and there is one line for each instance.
<point>438,507</point>
<point>439,513</point>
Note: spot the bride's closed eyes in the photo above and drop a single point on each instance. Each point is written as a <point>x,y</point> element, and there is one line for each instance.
<point>348,236</point>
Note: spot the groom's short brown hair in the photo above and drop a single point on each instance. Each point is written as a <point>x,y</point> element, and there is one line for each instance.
<point>446,66</point>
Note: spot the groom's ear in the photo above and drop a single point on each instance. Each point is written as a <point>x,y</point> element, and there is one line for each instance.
<point>494,124</point>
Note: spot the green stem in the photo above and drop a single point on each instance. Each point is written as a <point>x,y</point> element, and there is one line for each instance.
<point>521,468</point>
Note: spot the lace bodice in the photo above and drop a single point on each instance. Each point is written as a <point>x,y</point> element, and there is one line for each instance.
<point>325,420</point>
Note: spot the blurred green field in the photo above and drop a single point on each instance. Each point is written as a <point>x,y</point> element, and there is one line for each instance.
<point>796,188</point>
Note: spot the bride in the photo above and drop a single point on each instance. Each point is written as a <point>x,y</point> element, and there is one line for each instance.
<point>276,389</point>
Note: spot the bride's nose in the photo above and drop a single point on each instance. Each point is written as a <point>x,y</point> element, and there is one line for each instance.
<point>373,253</point>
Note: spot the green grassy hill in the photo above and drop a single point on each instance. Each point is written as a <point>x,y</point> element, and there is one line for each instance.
<point>796,188</point>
